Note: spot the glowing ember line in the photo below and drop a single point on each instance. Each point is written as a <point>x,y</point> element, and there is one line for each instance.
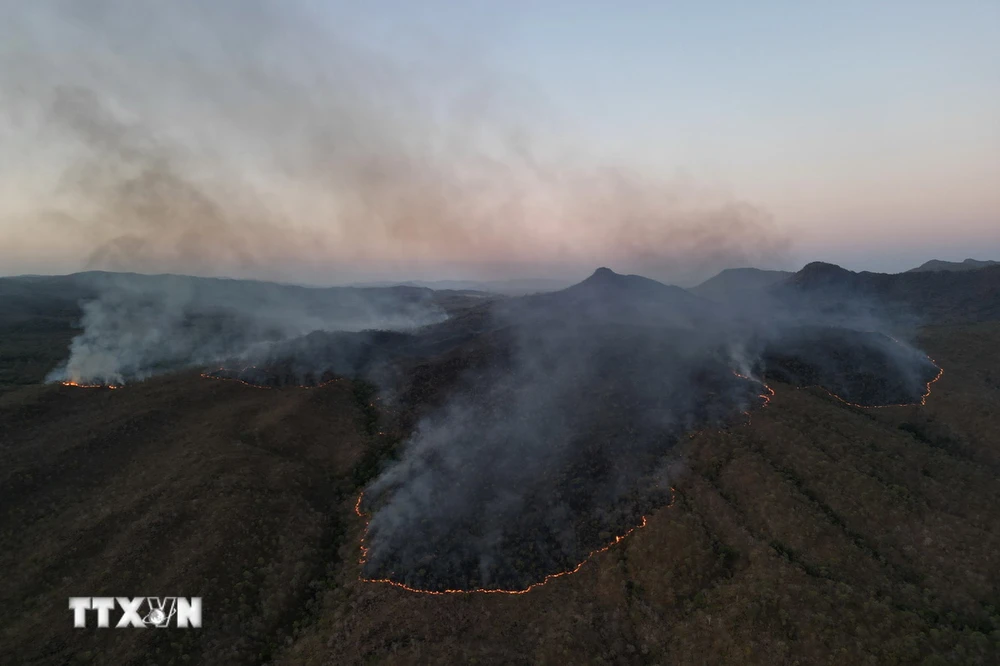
<point>211,375</point>
<point>923,398</point>
<point>78,385</point>
<point>766,396</point>
<point>403,586</point>
<point>207,375</point>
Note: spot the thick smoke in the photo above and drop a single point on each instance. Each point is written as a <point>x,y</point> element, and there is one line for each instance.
<point>548,441</point>
<point>262,139</point>
<point>254,138</point>
<point>258,139</point>
<point>155,214</point>
<point>532,464</point>
<point>140,325</point>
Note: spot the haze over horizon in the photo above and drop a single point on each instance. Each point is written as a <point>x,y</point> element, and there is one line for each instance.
<point>332,143</point>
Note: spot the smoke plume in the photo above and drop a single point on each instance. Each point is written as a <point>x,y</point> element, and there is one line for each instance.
<point>262,139</point>
<point>551,438</point>
<point>140,325</point>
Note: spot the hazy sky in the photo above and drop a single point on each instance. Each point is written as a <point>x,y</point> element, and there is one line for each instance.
<point>334,141</point>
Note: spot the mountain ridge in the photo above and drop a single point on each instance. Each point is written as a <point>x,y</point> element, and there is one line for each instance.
<point>932,296</point>
<point>941,265</point>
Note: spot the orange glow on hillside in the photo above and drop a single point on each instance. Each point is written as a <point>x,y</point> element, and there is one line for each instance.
<point>79,385</point>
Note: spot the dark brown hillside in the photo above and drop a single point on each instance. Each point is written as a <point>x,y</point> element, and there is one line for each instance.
<point>180,485</point>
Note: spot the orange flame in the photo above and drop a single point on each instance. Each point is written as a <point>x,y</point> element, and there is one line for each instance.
<point>79,385</point>
<point>766,396</point>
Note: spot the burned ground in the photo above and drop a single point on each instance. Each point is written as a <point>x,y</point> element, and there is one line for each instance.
<point>536,464</point>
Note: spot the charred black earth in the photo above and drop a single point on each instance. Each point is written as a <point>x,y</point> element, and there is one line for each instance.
<point>544,457</point>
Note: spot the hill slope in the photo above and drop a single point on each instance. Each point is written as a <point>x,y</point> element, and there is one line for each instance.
<point>820,528</point>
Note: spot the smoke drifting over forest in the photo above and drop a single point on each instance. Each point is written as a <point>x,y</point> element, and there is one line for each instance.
<point>137,326</point>
<point>531,465</point>
<point>561,431</point>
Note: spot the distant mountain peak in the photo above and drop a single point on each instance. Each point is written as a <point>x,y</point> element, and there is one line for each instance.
<point>820,274</point>
<point>607,296</point>
<point>603,274</point>
<point>823,267</point>
<point>604,278</point>
<point>604,285</point>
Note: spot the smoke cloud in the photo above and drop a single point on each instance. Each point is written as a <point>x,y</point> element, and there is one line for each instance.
<point>137,325</point>
<point>530,465</point>
<point>554,435</point>
<point>261,139</point>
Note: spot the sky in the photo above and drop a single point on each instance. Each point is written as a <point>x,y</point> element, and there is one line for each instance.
<point>326,142</point>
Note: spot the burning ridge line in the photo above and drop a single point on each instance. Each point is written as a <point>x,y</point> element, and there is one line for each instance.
<point>617,540</point>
